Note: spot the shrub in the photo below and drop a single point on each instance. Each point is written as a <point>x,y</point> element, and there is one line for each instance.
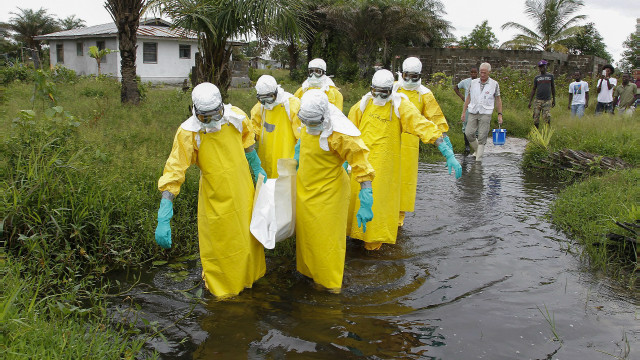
<point>10,74</point>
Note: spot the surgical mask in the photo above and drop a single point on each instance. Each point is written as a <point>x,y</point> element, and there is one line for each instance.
<point>315,80</point>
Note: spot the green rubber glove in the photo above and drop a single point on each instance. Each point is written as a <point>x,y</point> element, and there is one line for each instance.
<point>365,214</point>
<point>452,163</point>
<point>163,230</point>
<point>296,154</point>
<point>447,140</point>
<point>256,165</point>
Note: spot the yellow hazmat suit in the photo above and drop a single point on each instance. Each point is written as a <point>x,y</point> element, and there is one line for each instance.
<point>232,259</point>
<point>381,129</point>
<point>277,132</point>
<point>427,105</point>
<point>333,93</point>
<point>322,203</point>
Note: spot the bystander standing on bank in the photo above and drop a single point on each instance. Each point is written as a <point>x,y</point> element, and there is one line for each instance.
<point>578,95</point>
<point>544,90</point>
<point>625,95</point>
<point>606,83</point>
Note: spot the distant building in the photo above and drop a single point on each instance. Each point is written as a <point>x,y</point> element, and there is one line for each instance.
<point>163,54</point>
<point>262,63</point>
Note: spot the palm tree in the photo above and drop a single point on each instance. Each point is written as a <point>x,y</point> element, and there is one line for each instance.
<point>126,14</point>
<point>218,21</point>
<point>28,24</point>
<point>98,54</point>
<point>554,23</point>
<point>374,27</point>
<point>71,22</point>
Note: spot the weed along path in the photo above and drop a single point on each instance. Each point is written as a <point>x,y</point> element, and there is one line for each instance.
<point>477,273</point>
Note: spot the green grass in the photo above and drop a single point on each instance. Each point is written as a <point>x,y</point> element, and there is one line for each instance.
<point>588,210</point>
<point>53,327</point>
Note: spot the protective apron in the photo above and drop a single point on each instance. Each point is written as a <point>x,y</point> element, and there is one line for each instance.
<point>381,127</point>
<point>277,131</point>
<point>322,202</point>
<point>232,259</point>
<point>427,105</point>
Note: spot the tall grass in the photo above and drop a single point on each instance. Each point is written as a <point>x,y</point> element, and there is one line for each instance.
<point>53,327</point>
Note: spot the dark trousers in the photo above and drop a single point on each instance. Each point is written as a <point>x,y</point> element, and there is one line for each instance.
<point>604,107</point>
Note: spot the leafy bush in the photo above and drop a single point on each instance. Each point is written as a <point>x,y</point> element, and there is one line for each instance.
<point>348,71</point>
<point>10,74</point>
<point>61,74</point>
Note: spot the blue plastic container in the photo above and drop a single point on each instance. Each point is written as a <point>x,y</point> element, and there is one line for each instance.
<point>499,136</point>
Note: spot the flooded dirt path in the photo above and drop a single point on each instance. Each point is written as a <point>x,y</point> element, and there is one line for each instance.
<point>477,273</point>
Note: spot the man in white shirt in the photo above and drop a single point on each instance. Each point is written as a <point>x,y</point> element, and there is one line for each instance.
<point>606,83</point>
<point>484,95</point>
<point>578,95</point>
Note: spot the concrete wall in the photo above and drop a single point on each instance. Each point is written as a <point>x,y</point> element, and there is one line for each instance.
<point>457,62</point>
<point>170,68</point>
<point>85,65</point>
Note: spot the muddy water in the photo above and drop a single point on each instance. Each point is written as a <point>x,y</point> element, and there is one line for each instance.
<point>477,273</point>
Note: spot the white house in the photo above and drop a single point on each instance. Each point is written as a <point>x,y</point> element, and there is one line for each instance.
<point>163,54</point>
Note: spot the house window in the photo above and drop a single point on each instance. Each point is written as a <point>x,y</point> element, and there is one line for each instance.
<point>60,53</point>
<point>79,49</point>
<point>185,51</point>
<point>100,46</point>
<point>150,53</point>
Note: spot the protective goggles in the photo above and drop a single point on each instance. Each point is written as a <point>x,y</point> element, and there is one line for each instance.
<point>311,122</point>
<point>315,71</point>
<point>267,98</point>
<point>381,93</point>
<point>206,117</point>
<point>411,76</point>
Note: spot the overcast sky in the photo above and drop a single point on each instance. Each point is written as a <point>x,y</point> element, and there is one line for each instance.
<point>614,19</point>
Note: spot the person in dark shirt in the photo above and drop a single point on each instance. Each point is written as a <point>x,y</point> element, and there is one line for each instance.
<point>545,91</point>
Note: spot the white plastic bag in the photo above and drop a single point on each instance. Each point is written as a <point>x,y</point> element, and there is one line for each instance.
<point>274,207</point>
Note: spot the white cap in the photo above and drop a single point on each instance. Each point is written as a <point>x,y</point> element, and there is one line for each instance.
<point>383,78</point>
<point>313,104</point>
<point>266,84</point>
<point>318,64</point>
<point>206,97</point>
<point>412,64</point>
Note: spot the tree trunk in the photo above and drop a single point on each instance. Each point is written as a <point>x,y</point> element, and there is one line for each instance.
<point>294,54</point>
<point>126,15</point>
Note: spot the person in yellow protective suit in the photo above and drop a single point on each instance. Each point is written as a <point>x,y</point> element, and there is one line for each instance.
<point>328,139</point>
<point>382,116</point>
<point>275,122</point>
<point>318,79</point>
<point>219,139</point>
<point>409,84</point>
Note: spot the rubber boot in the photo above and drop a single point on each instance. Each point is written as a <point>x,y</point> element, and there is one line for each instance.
<point>479,152</point>
<point>467,150</point>
<point>474,146</point>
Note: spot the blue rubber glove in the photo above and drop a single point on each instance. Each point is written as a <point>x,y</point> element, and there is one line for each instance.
<point>345,165</point>
<point>452,163</point>
<point>163,230</point>
<point>365,214</point>
<point>447,140</point>
<point>296,154</point>
<point>256,165</point>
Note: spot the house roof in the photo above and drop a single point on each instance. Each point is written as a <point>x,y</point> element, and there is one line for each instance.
<point>160,29</point>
